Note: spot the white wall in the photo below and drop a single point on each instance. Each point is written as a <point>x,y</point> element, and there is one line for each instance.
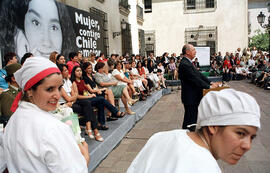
<point>169,22</point>
<point>254,9</point>
<point>134,24</point>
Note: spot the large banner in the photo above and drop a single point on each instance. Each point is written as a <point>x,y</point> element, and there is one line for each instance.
<point>89,31</point>
<point>44,26</point>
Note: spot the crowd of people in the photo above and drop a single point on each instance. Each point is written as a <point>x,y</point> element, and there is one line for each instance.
<point>93,84</point>
<point>97,83</point>
<point>128,77</point>
<point>248,64</point>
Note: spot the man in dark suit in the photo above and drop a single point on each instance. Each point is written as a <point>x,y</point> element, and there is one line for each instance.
<point>193,83</point>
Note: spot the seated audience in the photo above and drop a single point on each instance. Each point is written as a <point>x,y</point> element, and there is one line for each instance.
<point>136,76</point>
<point>119,91</point>
<point>152,76</point>
<point>160,74</point>
<point>97,101</point>
<point>161,78</point>
<point>60,59</point>
<point>10,58</point>
<point>73,57</point>
<point>143,76</point>
<point>69,93</point>
<point>240,73</point>
<point>172,69</point>
<point>122,79</point>
<point>93,61</point>
<point>92,85</point>
<point>196,64</point>
<point>34,140</point>
<point>214,68</point>
<point>226,76</point>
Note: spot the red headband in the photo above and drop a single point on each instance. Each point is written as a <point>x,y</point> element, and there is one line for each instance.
<point>31,83</point>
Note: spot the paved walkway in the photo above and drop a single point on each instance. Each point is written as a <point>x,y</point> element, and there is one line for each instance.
<point>168,113</point>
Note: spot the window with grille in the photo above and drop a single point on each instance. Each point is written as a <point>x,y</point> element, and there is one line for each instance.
<point>147,6</point>
<point>202,36</point>
<point>141,42</point>
<point>104,16</point>
<point>209,4</point>
<point>126,40</point>
<point>191,4</point>
<point>150,42</point>
<point>194,6</point>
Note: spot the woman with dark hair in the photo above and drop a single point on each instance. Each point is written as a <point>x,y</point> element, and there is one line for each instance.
<point>60,59</point>
<point>45,144</point>
<point>119,91</point>
<point>224,132</point>
<point>149,85</point>
<point>122,79</point>
<point>160,74</point>
<point>138,79</point>
<point>152,76</point>
<point>92,85</point>
<point>36,26</point>
<point>25,56</point>
<point>151,67</point>
<point>69,93</point>
<point>98,101</point>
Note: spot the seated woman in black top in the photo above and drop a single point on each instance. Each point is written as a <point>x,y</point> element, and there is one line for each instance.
<point>97,101</point>
<point>69,94</point>
<point>88,79</point>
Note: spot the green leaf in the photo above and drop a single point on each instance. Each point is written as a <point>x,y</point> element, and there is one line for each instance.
<point>260,40</point>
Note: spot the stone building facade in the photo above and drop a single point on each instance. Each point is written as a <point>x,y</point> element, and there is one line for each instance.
<point>116,12</point>
<point>221,25</point>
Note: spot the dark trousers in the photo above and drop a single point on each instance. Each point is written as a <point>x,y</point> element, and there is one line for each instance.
<point>226,77</point>
<point>99,102</point>
<point>84,107</point>
<point>266,82</point>
<point>190,117</point>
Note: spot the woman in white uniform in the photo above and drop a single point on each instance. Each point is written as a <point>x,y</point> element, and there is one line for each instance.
<point>34,140</point>
<point>227,123</point>
<point>2,158</point>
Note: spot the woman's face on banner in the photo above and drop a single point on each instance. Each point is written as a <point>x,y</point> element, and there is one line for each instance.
<point>42,28</point>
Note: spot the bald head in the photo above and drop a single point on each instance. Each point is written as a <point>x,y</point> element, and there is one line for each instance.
<point>189,51</point>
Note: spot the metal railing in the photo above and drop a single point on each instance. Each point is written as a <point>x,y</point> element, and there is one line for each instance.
<point>200,5</point>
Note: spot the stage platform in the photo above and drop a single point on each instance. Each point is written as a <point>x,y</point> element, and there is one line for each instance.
<point>118,129</point>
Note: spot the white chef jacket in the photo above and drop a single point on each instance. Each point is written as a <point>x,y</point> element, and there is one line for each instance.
<point>35,141</point>
<point>173,152</point>
<point>2,158</point>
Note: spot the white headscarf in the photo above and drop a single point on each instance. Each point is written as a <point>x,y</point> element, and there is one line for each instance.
<point>228,107</point>
<point>33,70</point>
